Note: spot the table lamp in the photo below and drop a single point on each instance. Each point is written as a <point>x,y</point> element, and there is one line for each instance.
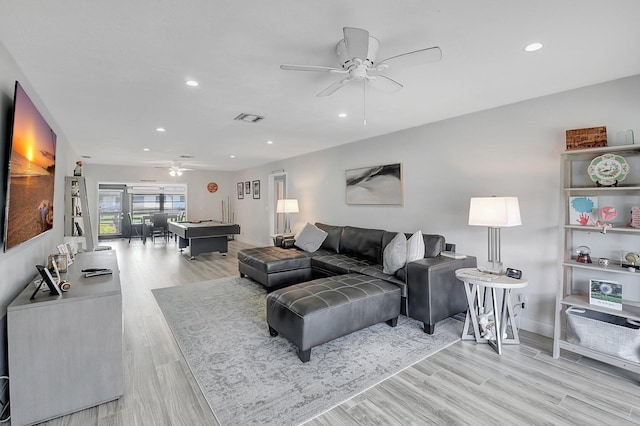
<point>494,213</point>
<point>287,206</point>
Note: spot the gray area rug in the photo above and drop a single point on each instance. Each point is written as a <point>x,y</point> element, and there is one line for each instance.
<point>249,377</point>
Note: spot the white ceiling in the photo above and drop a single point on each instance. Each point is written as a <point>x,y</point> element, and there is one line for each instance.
<point>110,72</point>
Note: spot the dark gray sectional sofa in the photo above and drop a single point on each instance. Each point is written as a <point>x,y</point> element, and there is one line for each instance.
<point>429,290</point>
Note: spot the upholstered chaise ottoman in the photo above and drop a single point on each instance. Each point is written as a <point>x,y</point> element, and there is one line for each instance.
<point>274,267</point>
<point>318,311</point>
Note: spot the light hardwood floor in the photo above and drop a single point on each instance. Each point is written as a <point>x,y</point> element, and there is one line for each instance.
<point>465,384</point>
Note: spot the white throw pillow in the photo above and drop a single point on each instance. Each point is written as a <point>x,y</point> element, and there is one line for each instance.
<point>415,247</point>
<point>310,238</point>
<point>394,255</point>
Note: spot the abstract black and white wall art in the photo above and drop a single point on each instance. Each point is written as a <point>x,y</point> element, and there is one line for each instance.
<point>375,185</point>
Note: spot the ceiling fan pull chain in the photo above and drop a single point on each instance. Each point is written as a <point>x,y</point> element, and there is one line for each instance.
<point>364,102</point>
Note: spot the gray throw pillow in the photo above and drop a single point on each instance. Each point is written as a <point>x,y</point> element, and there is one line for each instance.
<point>310,238</point>
<point>394,255</point>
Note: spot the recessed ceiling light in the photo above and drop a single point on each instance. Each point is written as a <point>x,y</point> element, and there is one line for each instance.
<point>160,129</point>
<point>146,149</point>
<point>533,47</point>
<point>269,142</point>
<point>342,115</point>
<point>232,156</point>
<point>192,83</point>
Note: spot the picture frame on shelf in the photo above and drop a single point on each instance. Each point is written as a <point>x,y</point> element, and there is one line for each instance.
<point>605,293</point>
<point>59,261</point>
<point>240,190</point>
<point>256,189</point>
<point>65,249</point>
<point>583,210</point>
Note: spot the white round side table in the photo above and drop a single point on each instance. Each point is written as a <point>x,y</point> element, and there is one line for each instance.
<point>475,284</point>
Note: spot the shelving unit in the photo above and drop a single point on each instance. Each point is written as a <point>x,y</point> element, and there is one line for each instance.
<point>611,243</point>
<point>77,223</point>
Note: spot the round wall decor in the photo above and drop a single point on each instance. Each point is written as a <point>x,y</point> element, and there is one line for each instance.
<point>212,187</point>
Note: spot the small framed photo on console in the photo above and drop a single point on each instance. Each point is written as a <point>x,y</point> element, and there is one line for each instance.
<point>47,279</point>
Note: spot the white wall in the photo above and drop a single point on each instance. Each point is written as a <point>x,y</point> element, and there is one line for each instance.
<point>201,204</point>
<point>17,266</point>
<point>508,151</point>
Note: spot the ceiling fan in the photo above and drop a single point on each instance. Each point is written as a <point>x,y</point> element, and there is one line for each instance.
<point>357,56</point>
<point>176,169</point>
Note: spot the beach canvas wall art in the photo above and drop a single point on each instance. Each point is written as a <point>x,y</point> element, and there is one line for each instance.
<point>375,185</point>
<point>31,173</point>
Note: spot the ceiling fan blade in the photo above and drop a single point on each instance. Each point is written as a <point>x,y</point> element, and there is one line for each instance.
<point>356,41</point>
<point>335,86</point>
<point>412,59</point>
<point>385,84</point>
<point>287,67</point>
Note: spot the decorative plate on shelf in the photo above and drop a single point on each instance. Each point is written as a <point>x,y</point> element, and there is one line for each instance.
<point>608,169</point>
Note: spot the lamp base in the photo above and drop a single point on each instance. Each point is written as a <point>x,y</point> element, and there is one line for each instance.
<point>496,268</point>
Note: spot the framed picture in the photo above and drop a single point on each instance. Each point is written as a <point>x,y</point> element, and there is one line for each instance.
<point>59,261</point>
<point>605,293</point>
<point>583,210</point>
<point>240,190</point>
<point>256,189</point>
<point>375,185</point>
<point>47,279</point>
<point>70,252</point>
<point>247,187</point>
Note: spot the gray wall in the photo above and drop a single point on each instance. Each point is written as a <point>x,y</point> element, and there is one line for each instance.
<point>17,266</point>
<point>508,151</point>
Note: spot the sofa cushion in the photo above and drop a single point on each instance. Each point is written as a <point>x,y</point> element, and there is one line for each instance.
<point>310,238</point>
<point>362,243</point>
<point>433,245</point>
<point>415,247</point>
<point>338,264</point>
<point>394,255</point>
<point>376,272</point>
<point>274,259</point>
<point>332,242</point>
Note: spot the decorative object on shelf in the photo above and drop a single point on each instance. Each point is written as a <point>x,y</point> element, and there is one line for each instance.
<point>494,213</point>
<point>605,293</point>
<point>287,206</point>
<point>608,213</point>
<point>256,189</point>
<point>608,169</point>
<point>592,137</point>
<point>584,254</point>
<point>212,187</point>
<point>625,137</point>
<point>635,217</point>
<point>582,210</point>
<point>375,185</point>
<point>632,260</point>
<point>78,170</point>
<point>604,262</point>
<point>240,190</point>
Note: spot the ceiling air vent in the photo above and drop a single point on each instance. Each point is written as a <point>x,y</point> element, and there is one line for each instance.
<point>249,118</point>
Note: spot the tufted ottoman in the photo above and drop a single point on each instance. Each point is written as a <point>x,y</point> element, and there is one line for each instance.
<point>274,267</point>
<point>318,311</point>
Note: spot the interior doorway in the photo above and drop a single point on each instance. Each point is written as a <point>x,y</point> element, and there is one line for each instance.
<point>277,191</point>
